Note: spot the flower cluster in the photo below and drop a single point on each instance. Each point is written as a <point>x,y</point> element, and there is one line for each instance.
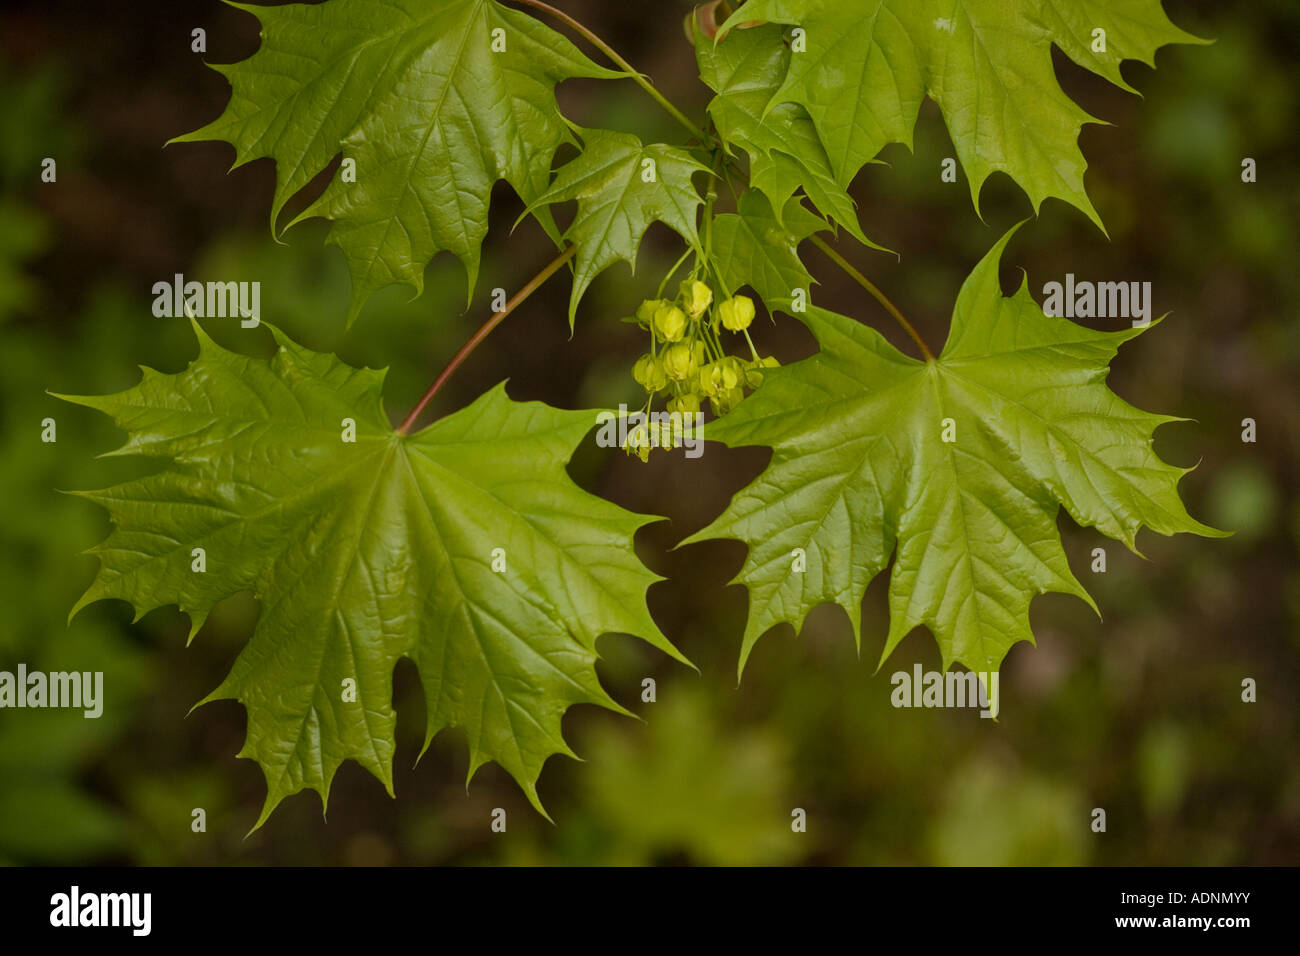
<point>687,363</point>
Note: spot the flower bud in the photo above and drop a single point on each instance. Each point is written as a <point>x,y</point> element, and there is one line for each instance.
<point>695,298</point>
<point>736,313</point>
<point>669,322</point>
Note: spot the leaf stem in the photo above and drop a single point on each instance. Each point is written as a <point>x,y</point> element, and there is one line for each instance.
<point>876,294</point>
<point>638,77</point>
<point>671,272</point>
<point>484,330</point>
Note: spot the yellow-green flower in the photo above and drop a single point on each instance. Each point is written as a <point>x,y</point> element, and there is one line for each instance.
<point>706,380</point>
<point>688,404</point>
<point>638,442</point>
<point>726,400</point>
<point>669,322</point>
<point>679,362</point>
<point>736,313</point>
<point>695,297</point>
<point>645,312</point>
<point>753,370</point>
<point>726,375</point>
<point>649,373</point>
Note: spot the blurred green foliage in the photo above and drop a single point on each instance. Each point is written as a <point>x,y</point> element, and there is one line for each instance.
<point>686,787</point>
<point>46,814</point>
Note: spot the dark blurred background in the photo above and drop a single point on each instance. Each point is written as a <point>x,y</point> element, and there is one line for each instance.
<point>1139,713</point>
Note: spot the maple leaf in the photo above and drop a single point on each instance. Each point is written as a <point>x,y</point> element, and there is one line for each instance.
<point>433,100</point>
<point>784,151</point>
<point>366,551</point>
<point>622,186</point>
<point>867,65</point>
<point>959,465</point>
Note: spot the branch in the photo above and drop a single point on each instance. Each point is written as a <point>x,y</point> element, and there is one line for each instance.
<point>876,294</point>
<point>484,330</point>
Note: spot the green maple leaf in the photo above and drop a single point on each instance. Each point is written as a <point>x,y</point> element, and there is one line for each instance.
<point>785,153</point>
<point>413,92</point>
<point>860,469</point>
<point>752,247</point>
<point>622,186</point>
<point>987,63</point>
<point>365,552</point>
